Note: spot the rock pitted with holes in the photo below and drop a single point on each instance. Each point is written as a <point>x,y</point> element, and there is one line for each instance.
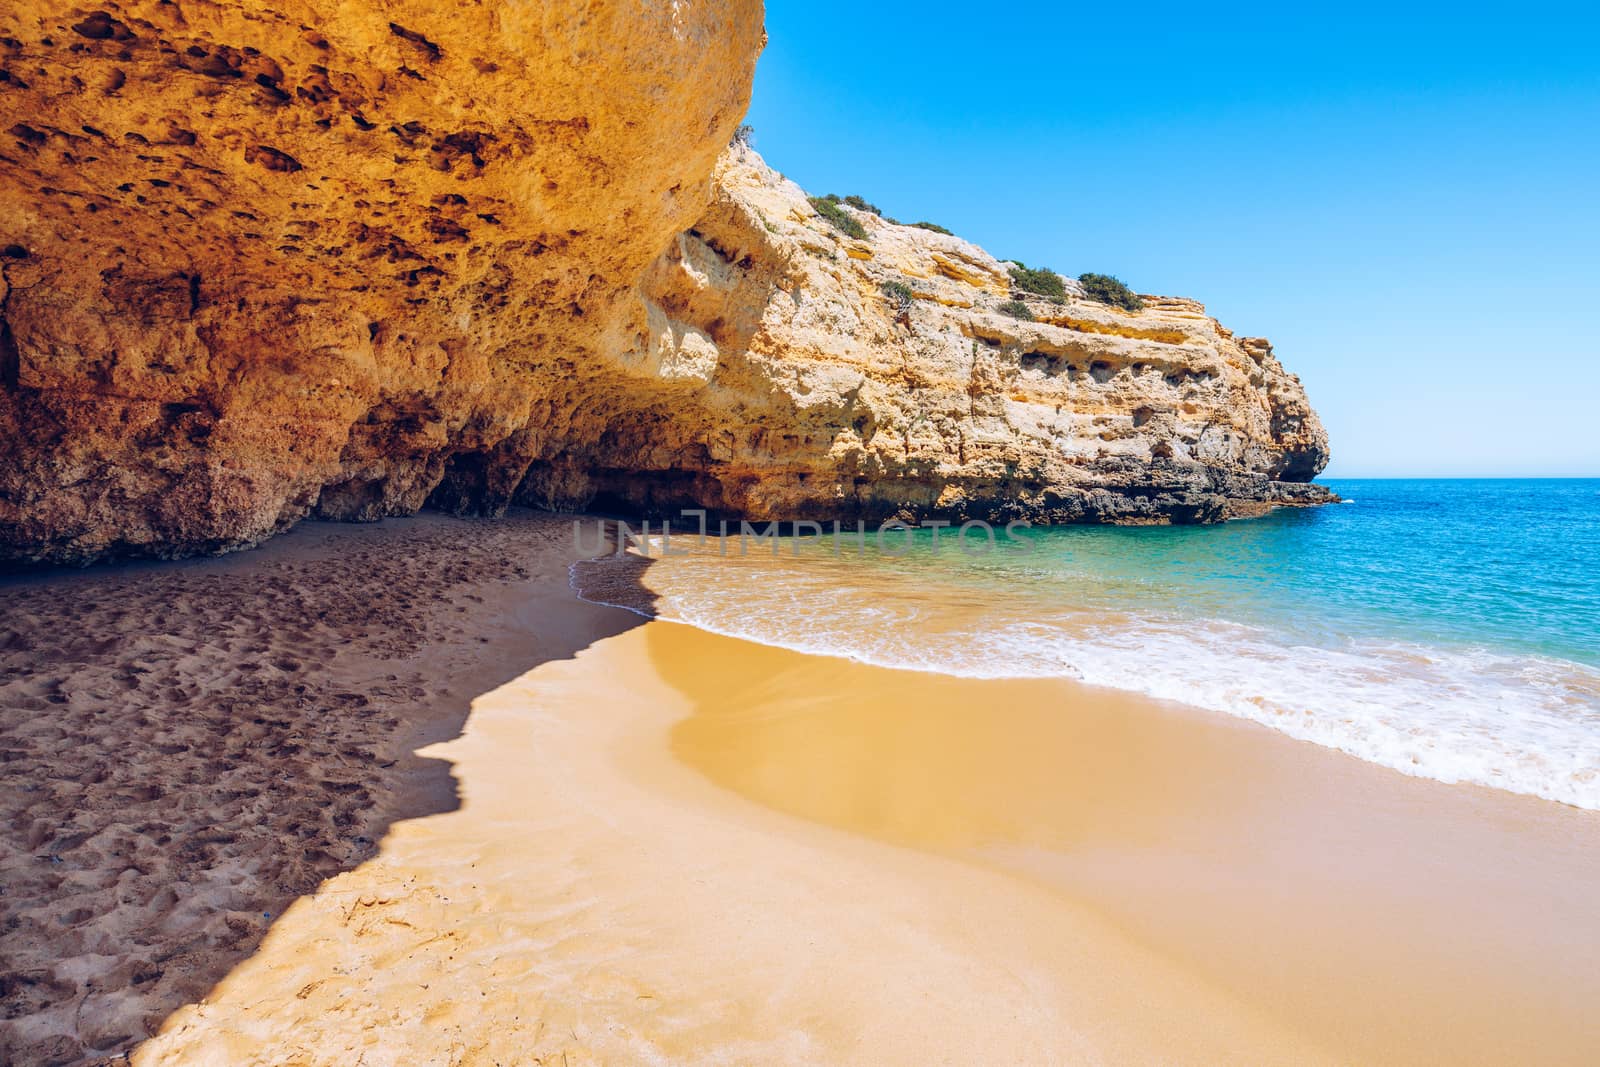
<point>266,259</point>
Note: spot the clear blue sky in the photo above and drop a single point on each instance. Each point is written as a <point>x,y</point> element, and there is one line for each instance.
<point>1404,198</point>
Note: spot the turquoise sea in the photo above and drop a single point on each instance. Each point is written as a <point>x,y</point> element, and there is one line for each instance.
<point>1509,566</point>
<point>1445,628</point>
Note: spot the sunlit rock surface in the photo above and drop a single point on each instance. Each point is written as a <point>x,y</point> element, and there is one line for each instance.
<point>263,261</point>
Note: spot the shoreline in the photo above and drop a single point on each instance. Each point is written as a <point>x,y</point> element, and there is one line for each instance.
<point>620,854</point>
<point>1381,916</point>
<point>1417,697</point>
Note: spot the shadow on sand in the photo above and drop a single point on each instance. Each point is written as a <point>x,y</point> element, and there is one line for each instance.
<point>190,746</point>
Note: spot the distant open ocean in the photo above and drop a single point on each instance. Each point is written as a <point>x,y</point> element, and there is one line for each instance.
<point>1444,628</point>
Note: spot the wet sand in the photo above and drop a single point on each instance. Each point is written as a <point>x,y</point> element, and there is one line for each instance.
<point>1383,917</point>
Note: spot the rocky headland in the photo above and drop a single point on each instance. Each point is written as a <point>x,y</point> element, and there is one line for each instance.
<point>264,260</point>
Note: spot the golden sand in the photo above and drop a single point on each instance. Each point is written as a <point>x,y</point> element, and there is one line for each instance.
<point>677,847</point>
<point>1385,918</point>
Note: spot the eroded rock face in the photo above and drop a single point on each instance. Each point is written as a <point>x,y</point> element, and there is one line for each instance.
<point>260,261</point>
<point>826,395</point>
<point>272,258</point>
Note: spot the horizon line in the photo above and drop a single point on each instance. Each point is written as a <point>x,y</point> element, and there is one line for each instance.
<point>1459,477</point>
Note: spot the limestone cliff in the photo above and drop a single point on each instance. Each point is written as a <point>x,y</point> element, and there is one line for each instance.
<point>836,376</point>
<point>264,259</point>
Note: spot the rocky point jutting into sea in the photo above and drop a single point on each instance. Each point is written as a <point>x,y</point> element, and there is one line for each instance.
<point>266,260</point>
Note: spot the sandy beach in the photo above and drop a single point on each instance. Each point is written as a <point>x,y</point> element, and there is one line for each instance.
<point>645,843</point>
<point>589,534</point>
<point>189,747</point>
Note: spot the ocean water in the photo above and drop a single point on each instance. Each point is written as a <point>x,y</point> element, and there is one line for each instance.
<point>1444,628</point>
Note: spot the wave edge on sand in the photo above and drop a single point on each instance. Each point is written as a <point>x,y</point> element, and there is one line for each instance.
<point>1523,723</point>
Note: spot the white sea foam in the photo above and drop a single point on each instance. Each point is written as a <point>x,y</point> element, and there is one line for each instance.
<point>1522,723</point>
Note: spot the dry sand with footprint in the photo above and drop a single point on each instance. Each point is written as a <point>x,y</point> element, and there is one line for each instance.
<point>189,747</point>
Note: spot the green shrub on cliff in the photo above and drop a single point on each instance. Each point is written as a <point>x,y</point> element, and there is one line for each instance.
<point>1041,281</point>
<point>934,226</point>
<point>1108,290</point>
<point>837,217</point>
<point>899,295</point>
<point>1017,310</point>
<point>861,205</point>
